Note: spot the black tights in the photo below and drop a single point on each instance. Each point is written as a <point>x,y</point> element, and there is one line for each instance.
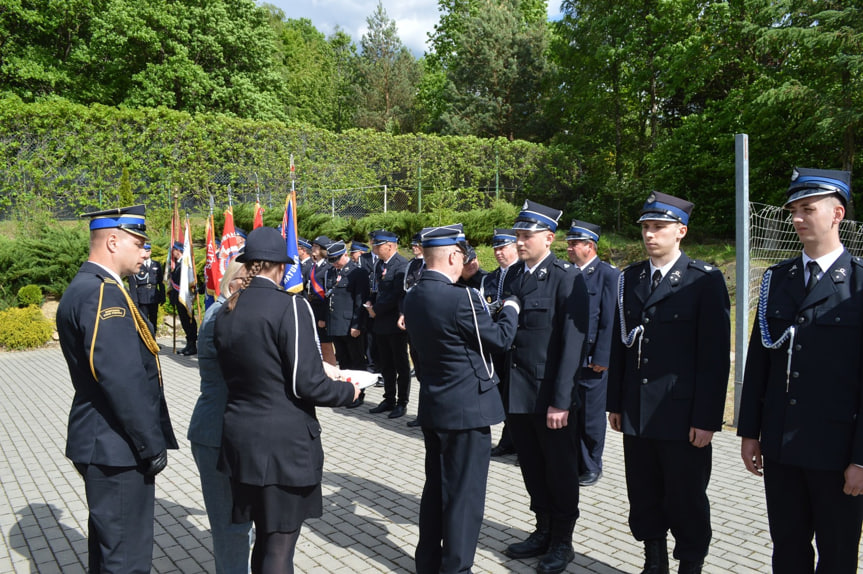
<point>274,552</point>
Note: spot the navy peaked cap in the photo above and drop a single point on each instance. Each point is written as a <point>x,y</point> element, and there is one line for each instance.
<point>664,207</point>
<point>809,182</point>
<point>131,219</point>
<point>583,230</point>
<point>537,217</point>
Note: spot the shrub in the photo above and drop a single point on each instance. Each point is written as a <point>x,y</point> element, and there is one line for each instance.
<point>29,295</point>
<point>24,328</point>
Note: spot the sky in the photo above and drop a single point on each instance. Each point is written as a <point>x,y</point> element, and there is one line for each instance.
<point>415,19</point>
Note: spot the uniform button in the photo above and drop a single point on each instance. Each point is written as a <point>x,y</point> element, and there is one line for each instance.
<point>646,340</point>
<point>837,319</point>
<point>795,375</point>
<point>643,381</point>
<point>644,361</point>
<point>676,315</point>
<point>801,320</point>
<point>798,346</point>
<point>646,320</point>
<point>792,402</point>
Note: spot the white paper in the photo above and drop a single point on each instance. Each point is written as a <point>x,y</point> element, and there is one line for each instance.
<point>362,378</point>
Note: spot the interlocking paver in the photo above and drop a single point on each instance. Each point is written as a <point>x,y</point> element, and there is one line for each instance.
<point>373,477</point>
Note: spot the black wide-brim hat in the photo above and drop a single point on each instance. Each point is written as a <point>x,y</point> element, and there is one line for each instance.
<point>265,244</point>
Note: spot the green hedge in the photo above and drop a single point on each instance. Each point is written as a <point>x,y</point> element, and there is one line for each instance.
<point>56,155</point>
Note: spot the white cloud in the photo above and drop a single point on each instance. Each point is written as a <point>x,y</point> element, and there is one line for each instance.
<point>414,18</point>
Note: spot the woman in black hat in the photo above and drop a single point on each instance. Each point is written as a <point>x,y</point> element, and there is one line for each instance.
<point>271,443</point>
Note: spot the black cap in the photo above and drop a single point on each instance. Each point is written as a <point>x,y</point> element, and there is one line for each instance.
<point>537,217</point>
<point>304,243</point>
<point>265,244</point>
<point>502,237</point>
<point>808,182</point>
<point>322,241</point>
<point>416,239</point>
<point>469,253</point>
<point>381,236</point>
<point>357,246</point>
<point>444,235</point>
<point>131,219</point>
<point>336,249</point>
<point>664,207</point>
<point>583,230</point>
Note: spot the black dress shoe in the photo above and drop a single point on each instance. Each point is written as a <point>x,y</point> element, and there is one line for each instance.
<point>382,407</point>
<point>414,423</point>
<point>380,381</point>
<point>502,450</point>
<point>397,412</point>
<point>190,350</point>
<point>359,401</point>
<point>589,478</point>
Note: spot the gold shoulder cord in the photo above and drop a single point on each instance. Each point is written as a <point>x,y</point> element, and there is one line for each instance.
<point>140,327</point>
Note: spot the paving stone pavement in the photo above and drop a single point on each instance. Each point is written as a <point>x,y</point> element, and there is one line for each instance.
<point>373,477</point>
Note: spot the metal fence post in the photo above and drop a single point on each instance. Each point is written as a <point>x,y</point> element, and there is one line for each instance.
<point>741,315</point>
<point>385,198</point>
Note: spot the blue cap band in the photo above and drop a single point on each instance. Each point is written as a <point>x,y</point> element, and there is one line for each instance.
<point>107,221</point>
<point>667,211</point>
<point>576,232</point>
<point>534,220</point>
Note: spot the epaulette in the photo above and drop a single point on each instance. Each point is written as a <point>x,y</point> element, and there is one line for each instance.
<point>857,261</point>
<point>785,262</point>
<point>702,266</point>
<point>562,264</point>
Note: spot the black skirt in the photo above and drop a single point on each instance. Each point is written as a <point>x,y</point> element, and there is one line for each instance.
<point>275,508</point>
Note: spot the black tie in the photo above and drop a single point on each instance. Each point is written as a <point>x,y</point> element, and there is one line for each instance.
<point>814,270</point>
<point>657,277</point>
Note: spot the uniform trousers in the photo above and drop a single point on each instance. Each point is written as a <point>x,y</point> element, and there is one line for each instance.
<point>349,352</point>
<point>190,326</point>
<point>395,367</point>
<point>592,392</point>
<point>151,312</point>
<point>666,481</point>
<point>453,499</point>
<point>549,463</point>
<point>121,501</point>
<point>802,503</point>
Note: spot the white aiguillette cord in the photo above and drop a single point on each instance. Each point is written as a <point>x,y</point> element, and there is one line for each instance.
<point>766,339</point>
<point>488,370</point>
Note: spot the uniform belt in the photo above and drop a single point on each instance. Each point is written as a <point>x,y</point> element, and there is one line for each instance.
<point>147,286</point>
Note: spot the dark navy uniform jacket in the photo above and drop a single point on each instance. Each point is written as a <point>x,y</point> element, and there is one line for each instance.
<point>270,432</point>
<point>147,286</point>
<point>491,283</point>
<point>552,329</point>
<point>456,390</point>
<point>322,274</point>
<point>811,419</point>
<point>387,304</point>
<point>601,279</point>
<point>367,261</point>
<point>305,270</point>
<point>119,416</point>
<point>349,289</point>
<point>679,378</point>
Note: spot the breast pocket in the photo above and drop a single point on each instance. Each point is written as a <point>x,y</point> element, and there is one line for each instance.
<point>673,314</point>
<point>537,313</point>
